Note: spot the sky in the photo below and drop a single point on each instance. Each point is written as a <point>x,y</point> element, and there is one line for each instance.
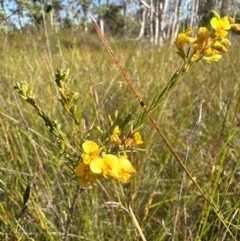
<point>11,5</point>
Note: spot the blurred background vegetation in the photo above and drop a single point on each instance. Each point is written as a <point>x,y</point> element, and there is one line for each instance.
<point>155,21</point>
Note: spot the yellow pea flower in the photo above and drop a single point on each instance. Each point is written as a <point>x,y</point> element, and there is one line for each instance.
<point>115,136</point>
<point>226,42</point>
<point>220,26</point>
<point>86,176</point>
<point>235,27</point>
<point>231,20</point>
<point>209,44</point>
<point>91,150</point>
<point>125,169</point>
<point>137,139</point>
<point>182,39</point>
<point>218,46</point>
<point>212,58</point>
<point>107,165</point>
<point>203,34</point>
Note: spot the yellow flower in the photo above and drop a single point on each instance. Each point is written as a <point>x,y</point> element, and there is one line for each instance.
<point>212,58</point>
<point>209,45</point>
<point>220,26</point>
<point>86,176</point>
<point>226,42</point>
<point>91,150</point>
<point>231,20</point>
<point>137,139</point>
<point>203,40</point>
<point>210,51</point>
<point>182,39</point>
<point>219,47</point>
<point>203,33</point>
<point>235,27</point>
<point>108,165</point>
<point>125,169</point>
<point>114,137</point>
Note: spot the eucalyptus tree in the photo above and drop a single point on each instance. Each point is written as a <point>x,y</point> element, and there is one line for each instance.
<point>3,16</point>
<point>27,12</point>
<point>142,17</point>
<point>113,19</point>
<point>85,5</point>
<point>101,11</point>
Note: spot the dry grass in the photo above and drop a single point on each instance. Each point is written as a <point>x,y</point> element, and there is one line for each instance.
<point>164,201</point>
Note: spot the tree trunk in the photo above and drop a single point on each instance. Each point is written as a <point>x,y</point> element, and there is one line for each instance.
<point>124,18</point>
<point>162,20</point>
<point>225,7</point>
<point>51,13</point>
<point>194,17</point>
<point>151,12</point>
<point>156,22</point>
<point>142,20</point>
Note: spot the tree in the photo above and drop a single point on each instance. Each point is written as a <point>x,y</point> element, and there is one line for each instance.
<point>157,20</point>
<point>142,18</point>
<point>100,16</point>
<point>113,19</point>
<point>85,5</point>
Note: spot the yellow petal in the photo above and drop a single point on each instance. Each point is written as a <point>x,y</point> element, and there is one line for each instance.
<point>114,137</point>
<point>231,20</point>
<point>86,158</point>
<point>215,23</point>
<point>125,165</point>
<point>96,165</point>
<point>203,32</point>
<point>81,169</point>
<point>137,138</point>
<point>226,42</point>
<point>116,131</point>
<point>220,26</point>
<point>124,177</point>
<point>221,33</point>
<point>188,31</point>
<point>110,165</point>
<point>235,27</point>
<point>209,59</point>
<point>224,23</point>
<point>110,160</point>
<point>83,182</point>
<point>87,180</point>
<point>90,147</point>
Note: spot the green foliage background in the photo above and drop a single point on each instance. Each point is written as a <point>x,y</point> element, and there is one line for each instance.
<point>164,201</point>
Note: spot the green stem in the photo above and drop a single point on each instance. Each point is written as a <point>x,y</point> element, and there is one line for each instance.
<point>157,100</point>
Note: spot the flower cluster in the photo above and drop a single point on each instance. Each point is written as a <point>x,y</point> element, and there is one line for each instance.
<point>210,43</point>
<point>96,161</point>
